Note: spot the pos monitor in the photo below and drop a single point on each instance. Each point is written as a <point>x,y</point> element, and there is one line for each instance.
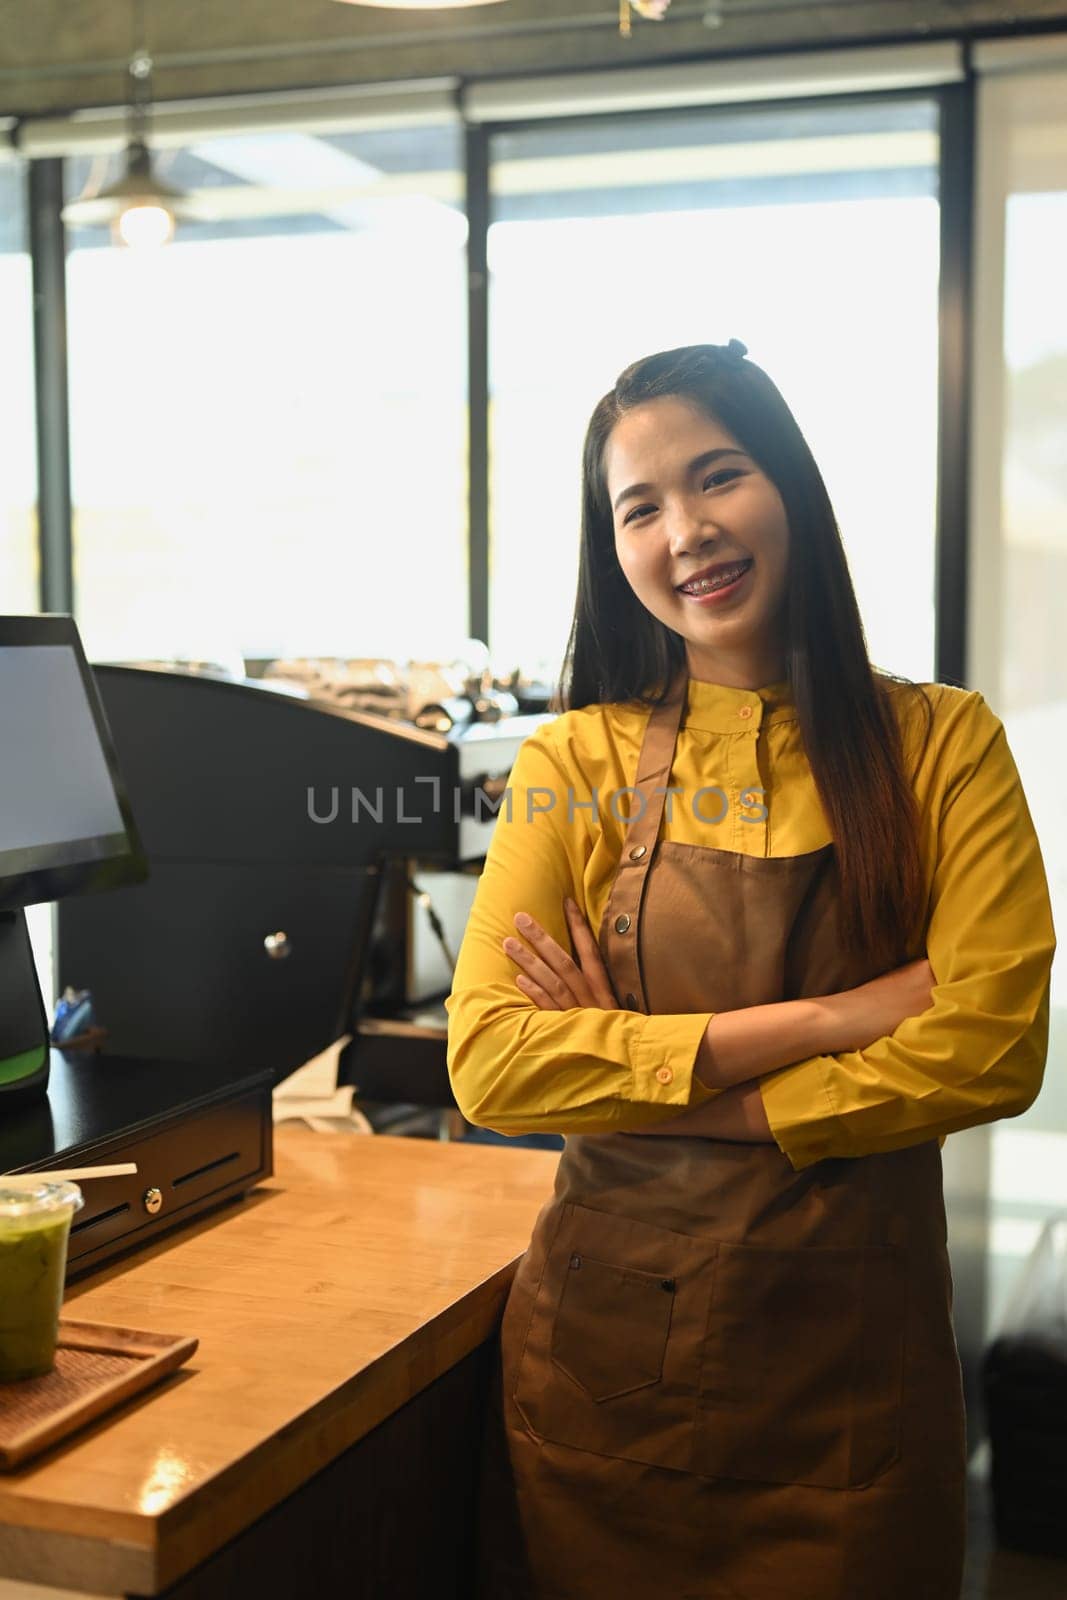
<point>65,823</point>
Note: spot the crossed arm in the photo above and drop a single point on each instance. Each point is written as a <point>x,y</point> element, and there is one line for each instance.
<point>737,1113</point>
<point>737,1049</point>
<point>830,1081</point>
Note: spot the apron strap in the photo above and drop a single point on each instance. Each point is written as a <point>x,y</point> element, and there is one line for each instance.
<point>619,925</point>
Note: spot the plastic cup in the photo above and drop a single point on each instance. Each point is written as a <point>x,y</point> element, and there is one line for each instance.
<point>34,1229</point>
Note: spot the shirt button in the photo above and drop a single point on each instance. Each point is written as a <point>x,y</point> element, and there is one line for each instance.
<point>638,851</point>
<point>631,1002</point>
<point>745,711</point>
<point>664,1074</point>
<point>621,924</point>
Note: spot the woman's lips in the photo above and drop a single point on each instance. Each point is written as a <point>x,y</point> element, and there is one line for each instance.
<point>715,596</point>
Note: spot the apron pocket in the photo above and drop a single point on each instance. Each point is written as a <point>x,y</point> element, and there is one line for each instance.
<point>596,1296</point>
<point>803,1363</point>
<point>612,1355</point>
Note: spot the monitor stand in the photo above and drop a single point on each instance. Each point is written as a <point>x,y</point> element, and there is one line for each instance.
<point>24,1053</point>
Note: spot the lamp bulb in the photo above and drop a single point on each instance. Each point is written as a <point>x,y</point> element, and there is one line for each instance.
<point>145,226</point>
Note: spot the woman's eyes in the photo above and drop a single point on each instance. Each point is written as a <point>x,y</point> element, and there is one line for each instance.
<point>724,473</point>
<point>713,480</point>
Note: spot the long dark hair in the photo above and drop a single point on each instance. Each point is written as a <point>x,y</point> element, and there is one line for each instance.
<point>618,651</point>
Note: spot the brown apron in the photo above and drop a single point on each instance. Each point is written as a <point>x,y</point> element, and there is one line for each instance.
<point>719,1378</point>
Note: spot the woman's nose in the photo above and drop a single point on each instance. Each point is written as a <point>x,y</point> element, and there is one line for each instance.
<point>690,528</point>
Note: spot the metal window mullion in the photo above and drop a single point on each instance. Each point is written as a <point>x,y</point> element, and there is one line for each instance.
<point>740,81</point>
<point>955,300</point>
<point>47,241</point>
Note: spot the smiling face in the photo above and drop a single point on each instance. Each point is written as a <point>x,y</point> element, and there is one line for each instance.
<point>686,497</point>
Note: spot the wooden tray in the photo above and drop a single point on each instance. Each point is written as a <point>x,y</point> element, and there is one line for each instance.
<point>96,1369</point>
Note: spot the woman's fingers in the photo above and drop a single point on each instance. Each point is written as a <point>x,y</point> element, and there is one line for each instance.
<point>550,975</point>
<point>589,958</point>
<point>539,996</point>
<point>548,965</point>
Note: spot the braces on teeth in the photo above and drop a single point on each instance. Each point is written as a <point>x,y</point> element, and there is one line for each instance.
<point>711,583</point>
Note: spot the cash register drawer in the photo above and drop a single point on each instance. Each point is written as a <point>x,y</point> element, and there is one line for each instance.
<point>197,1161</point>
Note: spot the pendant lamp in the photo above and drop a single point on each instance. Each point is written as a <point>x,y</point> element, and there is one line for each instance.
<point>140,207</point>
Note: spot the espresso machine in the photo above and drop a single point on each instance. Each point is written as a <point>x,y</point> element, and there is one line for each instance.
<point>313,849</point>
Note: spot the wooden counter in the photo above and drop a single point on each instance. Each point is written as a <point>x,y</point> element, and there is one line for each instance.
<point>363,1271</point>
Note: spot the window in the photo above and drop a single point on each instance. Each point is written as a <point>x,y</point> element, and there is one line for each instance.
<point>268,416</point>
<point>1019,562</point>
<point>809,233</point>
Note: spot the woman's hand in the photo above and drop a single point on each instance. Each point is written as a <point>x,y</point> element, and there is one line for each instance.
<point>876,1009</point>
<point>550,977</point>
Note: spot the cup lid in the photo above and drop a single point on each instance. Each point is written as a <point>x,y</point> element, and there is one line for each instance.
<point>36,1197</point>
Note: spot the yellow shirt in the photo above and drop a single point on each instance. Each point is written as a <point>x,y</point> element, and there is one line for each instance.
<point>976,1054</point>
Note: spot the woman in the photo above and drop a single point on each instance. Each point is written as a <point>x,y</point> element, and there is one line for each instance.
<point>823,943</point>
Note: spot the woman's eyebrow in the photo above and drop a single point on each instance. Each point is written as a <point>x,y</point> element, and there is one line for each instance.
<point>695,465</point>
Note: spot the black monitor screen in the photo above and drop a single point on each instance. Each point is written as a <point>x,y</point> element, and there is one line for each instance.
<point>65,825</point>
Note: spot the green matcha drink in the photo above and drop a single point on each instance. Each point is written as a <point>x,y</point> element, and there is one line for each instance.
<point>34,1229</point>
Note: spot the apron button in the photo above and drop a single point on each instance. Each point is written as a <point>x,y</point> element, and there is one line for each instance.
<point>575,1263</point>
<point>745,711</point>
<point>622,924</point>
<point>631,1002</point>
<point>664,1074</point>
<point>638,851</point>
<point>668,1284</point>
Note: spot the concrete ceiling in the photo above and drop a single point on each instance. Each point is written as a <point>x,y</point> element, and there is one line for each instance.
<point>56,55</point>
